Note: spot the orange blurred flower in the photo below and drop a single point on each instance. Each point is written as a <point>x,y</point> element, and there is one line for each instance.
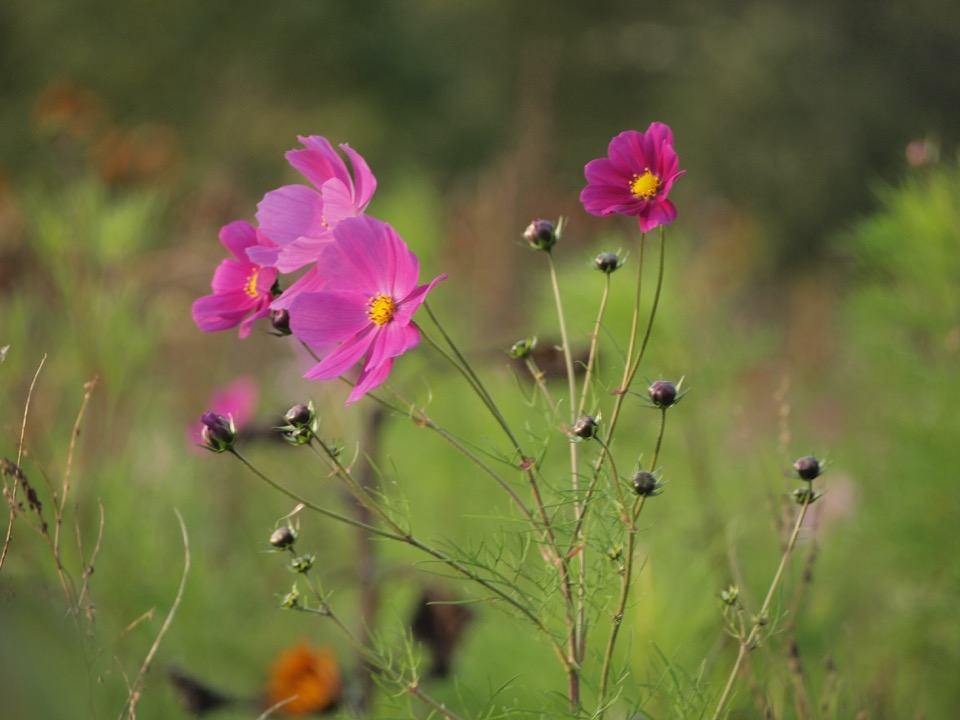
<point>307,675</point>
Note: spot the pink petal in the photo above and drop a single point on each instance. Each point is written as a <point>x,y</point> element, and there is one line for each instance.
<point>237,237</point>
<point>393,339</point>
<point>290,212</point>
<point>658,213</point>
<point>412,302</point>
<point>363,180</point>
<point>368,255</point>
<point>302,251</point>
<point>328,317</point>
<point>370,379</point>
<point>344,357</point>
<point>309,282</point>
<point>319,162</point>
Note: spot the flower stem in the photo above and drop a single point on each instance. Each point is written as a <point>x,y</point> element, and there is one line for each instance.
<point>749,642</point>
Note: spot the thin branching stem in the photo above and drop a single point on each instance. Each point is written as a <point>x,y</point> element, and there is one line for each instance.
<point>594,343</point>
<point>761,618</point>
<point>409,539</point>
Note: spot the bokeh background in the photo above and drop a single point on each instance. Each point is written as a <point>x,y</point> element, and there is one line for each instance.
<point>811,304</point>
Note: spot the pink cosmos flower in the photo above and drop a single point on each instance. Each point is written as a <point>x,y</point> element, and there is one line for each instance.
<point>635,177</point>
<point>241,288</point>
<point>366,307</point>
<point>300,219</point>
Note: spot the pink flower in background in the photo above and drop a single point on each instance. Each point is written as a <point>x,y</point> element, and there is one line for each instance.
<point>366,307</point>
<point>241,288</point>
<point>237,401</point>
<point>635,177</point>
<point>300,219</point>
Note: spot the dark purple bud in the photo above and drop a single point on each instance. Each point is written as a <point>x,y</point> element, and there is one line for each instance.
<point>663,393</point>
<point>280,319</point>
<point>808,468</point>
<point>607,262</point>
<point>645,484</point>
<point>585,427</point>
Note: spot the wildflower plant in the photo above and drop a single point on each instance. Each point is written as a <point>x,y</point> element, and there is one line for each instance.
<point>360,301</point>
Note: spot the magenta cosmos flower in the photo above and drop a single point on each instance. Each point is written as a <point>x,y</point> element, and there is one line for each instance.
<point>241,288</point>
<point>635,177</point>
<point>300,219</point>
<point>366,307</point>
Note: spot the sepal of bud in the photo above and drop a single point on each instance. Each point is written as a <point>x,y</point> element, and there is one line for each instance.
<point>219,432</point>
<point>291,600</point>
<point>302,564</point>
<point>730,596</point>
<point>805,495</point>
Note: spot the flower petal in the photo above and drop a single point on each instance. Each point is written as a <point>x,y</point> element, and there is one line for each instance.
<point>370,378</point>
<point>328,317</point>
<point>290,212</point>
<point>343,357</point>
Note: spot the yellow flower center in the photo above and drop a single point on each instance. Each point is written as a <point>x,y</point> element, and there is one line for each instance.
<point>645,186</point>
<point>251,288</point>
<point>381,309</point>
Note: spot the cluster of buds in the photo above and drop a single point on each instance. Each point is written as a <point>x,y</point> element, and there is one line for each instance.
<point>808,469</point>
<point>302,424</point>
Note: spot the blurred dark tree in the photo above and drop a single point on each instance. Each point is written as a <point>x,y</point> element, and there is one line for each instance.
<point>785,111</point>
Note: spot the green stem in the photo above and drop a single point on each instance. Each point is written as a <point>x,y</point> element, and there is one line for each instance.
<point>747,644</point>
<point>594,342</point>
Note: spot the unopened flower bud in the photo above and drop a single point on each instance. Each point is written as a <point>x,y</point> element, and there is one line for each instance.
<point>805,495</point>
<point>730,595</point>
<point>645,484</point>
<point>585,427</point>
<point>283,537</point>
<point>299,415</point>
<point>663,393</point>
<point>607,262</point>
<point>280,319</point>
<point>219,433</point>
<point>541,235</point>
<point>808,468</point>
<point>522,348</point>
<point>301,424</point>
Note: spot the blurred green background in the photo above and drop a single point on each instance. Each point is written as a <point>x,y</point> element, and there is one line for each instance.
<point>811,303</point>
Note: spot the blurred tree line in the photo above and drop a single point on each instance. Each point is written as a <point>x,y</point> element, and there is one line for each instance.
<point>784,112</point>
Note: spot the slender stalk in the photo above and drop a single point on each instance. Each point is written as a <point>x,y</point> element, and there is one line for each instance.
<point>627,570</point>
<point>576,610</point>
<point>594,342</point>
<point>626,575</point>
<point>749,642</point>
<point>630,369</point>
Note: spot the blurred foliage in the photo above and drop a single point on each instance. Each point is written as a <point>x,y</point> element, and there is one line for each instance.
<point>785,111</point>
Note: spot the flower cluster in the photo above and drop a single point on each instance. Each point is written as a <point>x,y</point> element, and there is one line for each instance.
<point>358,294</point>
